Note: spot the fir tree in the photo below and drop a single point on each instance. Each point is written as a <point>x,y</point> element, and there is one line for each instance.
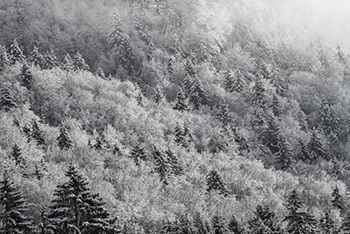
<point>337,199</point>
<point>214,182</point>
<point>223,115</point>
<point>258,118</point>
<point>199,224</point>
<point>170,66</point>
<point>323,58</point>
<point>67,64</point>
<point>27,132</point>
<point>79,63</point>
<point>138,153</point>
<point>181,101</point>
<point>38,173</point>
<point>328,120</point>
<point>161,166</point>
<point>37,134</point>
<point>36,58</point>
<point>16,53</point>
<point>327,224</point>
<point>238,84</point>
<point>17,154</point>
<point>45,226</point>
<point>189,68</point>
<point>298,221</point>
<point>276,109</point>
<point>258,98</point>
<point>64,140</point>
<point>50,60</point>
<point>179,136</point>
<point>303,154</point>
<point>4,58</point>
<point>197,95</point>
<point>218,226</point>
<point>99,72</point>
<point>174,164</point>
<point>234,226</point>
<point>76,210</point>
<point>265,221</point>
<point>26,76</point>
<point>7,101</point>
<point>228,81</point>
<point>13,209</point>
<point>270,137</point>
<point>284,157</point>
<point>315,147</point>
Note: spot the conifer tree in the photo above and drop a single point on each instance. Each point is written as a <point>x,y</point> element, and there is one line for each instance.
<point>218,226</point>
<point>76,210</point>
<point>7,101</point>
<point>17,154</point>
<point>170,66</point>
<point>38,173</point>
<point>228,81</point>
<point>345,227</point>
<point>181,101</point>
<point>45,226</point>
<point>161,166</point>
<point>214,182</point>
<point>238,84</point>
<point>64,140</point>
<point>258,98</point>
<point>284,157</point>
<point>199,225</point>
<point>340,55</point>
<point>174,164</point>
<point>270,137</point>
<point>13,210</point>
<point>138,153</point>
<point>36,58</point>
<point>189,68</point>
<point>234,226</point>
<point>337,199</point>
<point>276,109</point>
<point>327,224</point>
<point>16,54</point>
<point>265,221</point>
<point>67,64</point>
<point>187,85</point>
<point>4,58</point>
<point>303,154</point>
<point>323,58</point>
<point>315,147</point>
<point>298,221</point>
<point>99,72</point>
<point>26,76</point>
<point>50,60</point>
<point>223,115</point>
<point>179,136</point>
<point>158,96</point>
<point>79,63</point>
<point>258,118</point>
<point>197,95</point>
<point>37,134</point>
<point>27,132</point>
<point>328,120</point>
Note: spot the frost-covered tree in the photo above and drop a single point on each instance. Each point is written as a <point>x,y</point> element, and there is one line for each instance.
<point>327,224</point>
<point>7,101</point>
<point>36,58</point>
<point>223,115</point>
<point>17,154</point>
<point>258,98</point>
<point>64,141</point>
<point>26,76</point>
<point>99,72</point>
<point>284,156</point>
<point>37,134</point>
<point>137,153</point>
<point>218,226</point>
<point>67,63</point>
<point>197,95</point>
<point>16,54</point>
<point>337,200</point>
<point>174,164</point>
<point>315,146</point>
<point>234,226</point>
<point>328,121</point>
<point>181,101</point>
<point>161,166</point>
<point>50,60</point>
<point>276,108</point>
<point>4,58</point>
<point>215,182</point>
<point>265,221</point>
<point>79,63</point>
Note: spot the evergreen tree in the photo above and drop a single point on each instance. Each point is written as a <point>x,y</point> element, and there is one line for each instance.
<point>64,140</point>
<point>7,101</point>
<point>328,120</point>
<point>181,101</point>
<point>189,68</point>
<point>276,109</point>
<point>17,154</point>
<point>214,182</point>
<point>197,95</point>
<point>38,173</point>
<point>36,58</point>
<point>37,134</point>
<point>50,60</point>
<point>241,141</point>
<point>174,164</point>
<point>234,226</point>
<point>315,147</point>
<point>270,137</point>
<point>337,199</point>
<point>45,226</point>
<point>223,115</point>
<point>16,53</point>
<point>265,221</point>
<point>79,63</point>
<point>258,118</point>
<point>27,132</point>
<point>13,209</point>
<point>76,210</point>
<point>298,221</point>
<point>170,66</point>
<point>161,166</point>
<point>158,96</point>
<point>323,58</point>
<point>67,64</point>
<point>99,72</point>
<point>346,224</point>
<point>327,224</point>
<point>303,154</point>
<point>228,81</point>
<point>199,224</point>
<point>218,226</point>
<point>340,55</point>
<point>26,76</point>
<point>179,136</point>
<point>4,58</point>
<point>284,157</point>
<point>138,153</point>
<point>258,98</point>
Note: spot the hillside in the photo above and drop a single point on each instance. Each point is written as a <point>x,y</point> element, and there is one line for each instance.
<point>184,116</point>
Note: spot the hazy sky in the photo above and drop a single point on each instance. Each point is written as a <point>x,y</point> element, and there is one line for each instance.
<point>330,19</point>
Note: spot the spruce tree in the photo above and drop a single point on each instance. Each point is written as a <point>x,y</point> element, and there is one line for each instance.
<point>197,95</point>
<point>337,199</point>
<point>16,54</point>
<point>328,120</point>
<point>238,84</point>
<point>315,147</point>
<point>4,58</point>
<point>50,60</point>
<point>223,115</point>
<point>284,156</point>
<point>37,134</point>
<point>161,166</point>
<point>229,81</point>
<point>79,63</point>
<point>27,132</point>
<point>327,224</point>
<point>298,221</point>
<point>26,76</point>
<point>138,153</point>
<point>189,68</point>
<point>181,101</point>
<point>64,141</point>
<point>265,221</point>
<point>276,109</point>
<point>199,225</point>
<point>174,164</point>
<point>179,136</point>
<point>17,154</point>
<point>67,64</point>
<point>75,209</point>
<point>234,226</point>
<point>99,72</point>
<point>36,58</point>
<point>13,210</point>
<point>7,101</point>
<point>340,55</point>
<point>258,98</point>
<point>214,182</point>
<point>258,118</point>
<point>218,226</point>
<point>270,137</point>
<point>170,66</point>
<point>303,154</point>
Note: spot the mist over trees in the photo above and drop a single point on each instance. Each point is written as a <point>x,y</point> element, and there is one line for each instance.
<point>172,116</point>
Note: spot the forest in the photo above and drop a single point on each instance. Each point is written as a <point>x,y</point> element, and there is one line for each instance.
<point>170,116</point>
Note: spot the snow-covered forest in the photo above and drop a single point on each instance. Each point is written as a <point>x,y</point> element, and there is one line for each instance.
<point>171,116</point>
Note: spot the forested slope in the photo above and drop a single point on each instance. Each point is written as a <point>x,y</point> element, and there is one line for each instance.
<point>184,116</point>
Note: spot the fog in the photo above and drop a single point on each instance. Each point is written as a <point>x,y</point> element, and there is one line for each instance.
<point>328,19</point>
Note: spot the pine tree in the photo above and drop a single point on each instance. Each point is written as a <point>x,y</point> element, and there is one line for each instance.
<point>234,226</point>
<point>337,199</point>
<point>50,60</point>
<point>174,164</point>
<point>258,118</point>
<point>199,224</point>
<point>138,153</point>
<point>258,98</point>
<point>298,221</point>
<point>265,221</point>
<point>179,136</point>
<point>67,64</point>
<point>16,53</point>
<point>17,154</point>
<point>239,83</point>
<point>243,145</point>
<point>189,68</point>
<point>315,147</point>
<point>170,66</point>
<point>99,72</point>
<point>7,101</point>
<point>45,226</point>
<point>76,210</point>
<point>328,120</point>
<point>36,58</point>
<point>37,134</point>
<point>161,166</point>
<point>327,225</point>
<point>26,76</point>
<point>197,95</point>
<point>284,157</point>
<point>270,137</point>
<point>64,140</point>
<point>181,101</point>
<point>223,115</point>
<point>79,63</point>
<point>13,209</point>
<point>27,132</point>
<point>218,226</point>
<point>38,173</point>
<point>323,58</point>
<point>4,58</point>
<point>214,182</point>
<point>303,154</point>
<point>276,109</point>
